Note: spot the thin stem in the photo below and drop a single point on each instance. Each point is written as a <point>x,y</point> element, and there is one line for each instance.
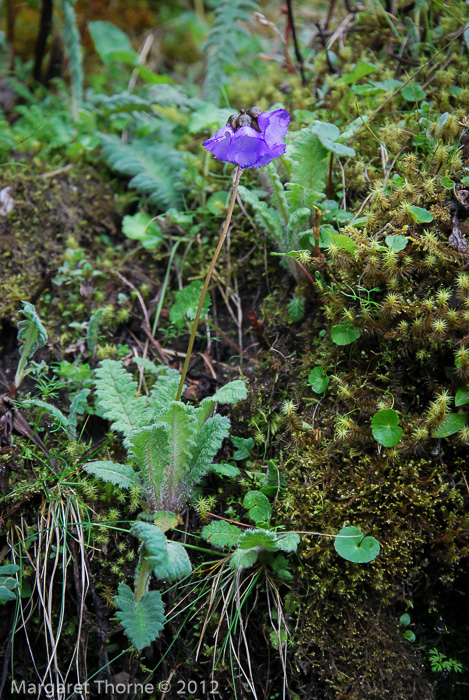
<point>207,282</point>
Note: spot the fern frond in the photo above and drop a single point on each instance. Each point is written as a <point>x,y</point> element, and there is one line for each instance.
<point>156,168</point>
<point>124,102</point>
<point>142,620</point>
<point>222,42</point>
<point>116,398</point>
<point>77,407</point>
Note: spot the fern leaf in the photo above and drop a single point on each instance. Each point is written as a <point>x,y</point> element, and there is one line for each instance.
<point>124,102</point>
<point>222,42</point>
<point>299,196</point>
<point>266,217</point>
<point>121,475</point>
<point>116,398</point>
<point>181,422</point>
<point>156,168</point>
<point>142,620</point>
<point>178,566</point>
<point>230,393</point>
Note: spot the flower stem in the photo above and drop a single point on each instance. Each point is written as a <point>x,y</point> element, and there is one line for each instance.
<point>207,282</point>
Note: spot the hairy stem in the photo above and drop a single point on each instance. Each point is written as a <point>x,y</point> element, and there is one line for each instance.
<point>207,282</point>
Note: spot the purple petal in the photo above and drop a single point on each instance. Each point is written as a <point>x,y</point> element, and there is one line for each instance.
<point>247,149</point>
<point>220,142</point>
<point>274,126</point>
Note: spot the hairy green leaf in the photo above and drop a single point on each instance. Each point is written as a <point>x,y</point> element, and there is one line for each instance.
<point>142,620</point>
<point>116,398</point>
<point>121,475</point>
<point>262,539</point>
<point>221,534</point>
<point>288,541</point>
<point>243,559</point>
<point>154,546</point>
<point>178,565</point>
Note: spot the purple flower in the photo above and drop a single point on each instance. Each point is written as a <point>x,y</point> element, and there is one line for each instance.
<point>250,146</point>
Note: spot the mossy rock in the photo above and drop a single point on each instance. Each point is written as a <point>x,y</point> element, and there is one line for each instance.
<point>45,210</point>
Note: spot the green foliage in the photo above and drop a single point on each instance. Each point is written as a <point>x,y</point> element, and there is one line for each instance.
<point>8,583</point>
<point>142,620</point>
<point>258,506</point>
<point>344,333</point>
<point>186,302</point>
<point>111,43</point>
<point>450,425</point>
<point>352,546</point>
<point>439,662</point>
<point>121,475</point>
<point>318,380</point>
<point>420,215</point>
<point>171,444</point>
<point>31,336</point>
<point>117,400</point>
<point>222,43</point>
<point>156,168</point>
<point>385,427</point>
<point>141,227</point>
<point>222,534</point>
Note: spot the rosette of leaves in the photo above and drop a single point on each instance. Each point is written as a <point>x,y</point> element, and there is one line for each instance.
<point>170,445</point>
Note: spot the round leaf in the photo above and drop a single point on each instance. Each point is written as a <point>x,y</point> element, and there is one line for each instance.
<point>385,427</point>
<point>413,93</point>
<point>344,333</point>
<point>420,215</point>
<point>318,380</point>
<point>258,506</point>
<point>351,545</point>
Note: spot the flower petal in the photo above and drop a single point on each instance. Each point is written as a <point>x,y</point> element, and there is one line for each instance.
<point>220,142</point>
<point>247,149</point>
<point>274,126</point>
